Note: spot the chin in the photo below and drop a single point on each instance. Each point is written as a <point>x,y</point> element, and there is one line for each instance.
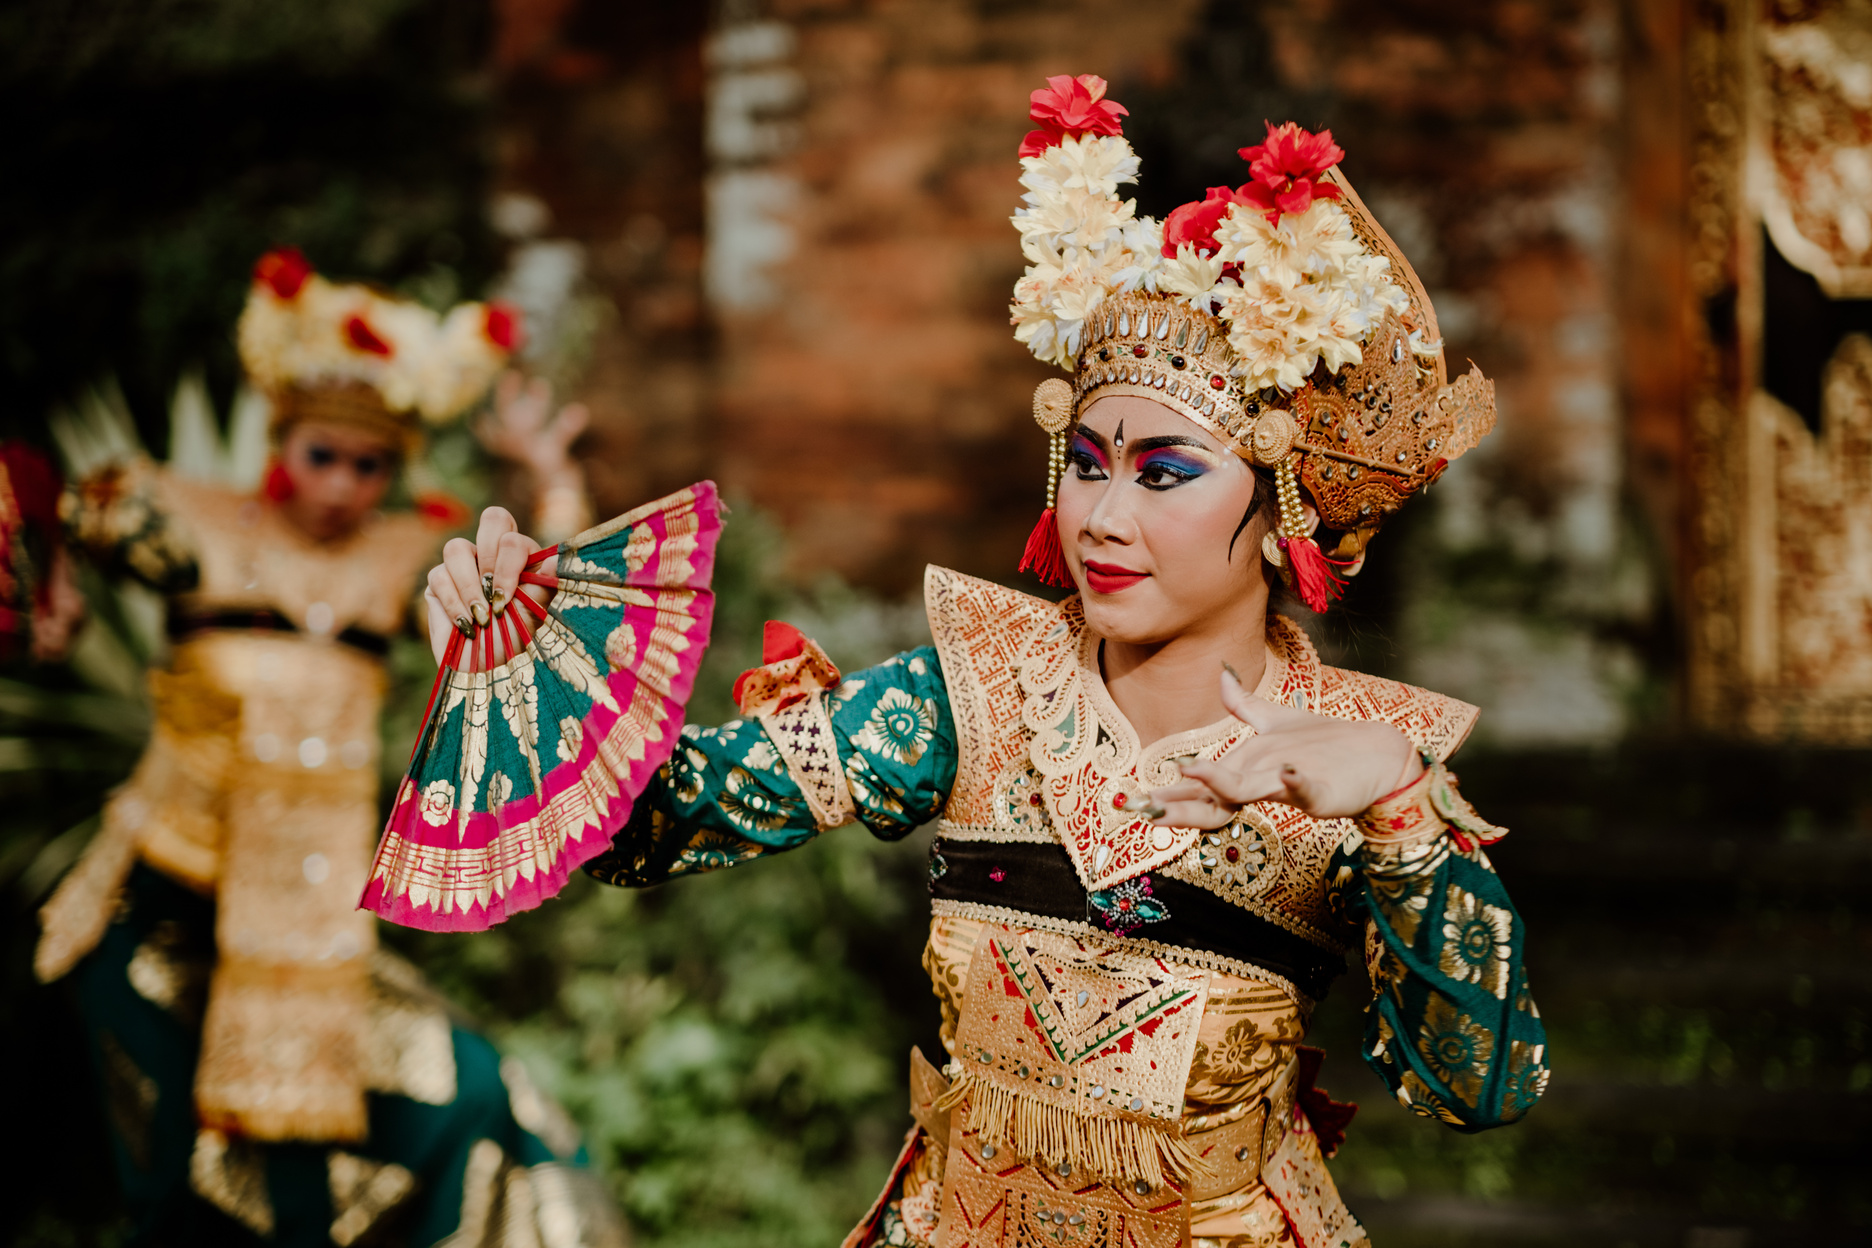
<point>1138,616</point>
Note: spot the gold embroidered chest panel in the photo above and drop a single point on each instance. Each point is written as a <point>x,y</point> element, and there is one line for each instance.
<point>1046,756</point>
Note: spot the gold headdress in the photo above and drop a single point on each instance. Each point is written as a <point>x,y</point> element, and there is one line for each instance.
<point>347,353</point>
<point>1279,316</point>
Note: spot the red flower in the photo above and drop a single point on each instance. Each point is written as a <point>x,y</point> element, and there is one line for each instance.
<point>284,269</point>
<point>359,334</point>
<point>502,326</point>
<point>1068,106</point>
<point>1196,223</point>
<point>1289,170</point>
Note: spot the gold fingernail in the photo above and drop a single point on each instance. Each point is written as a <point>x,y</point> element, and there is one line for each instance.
<point>487,586</point>
<point>1154,812</point>
<point>1229,668</point>
<point>463,626</point>
<point>480,613</point>
<point>499,599</point>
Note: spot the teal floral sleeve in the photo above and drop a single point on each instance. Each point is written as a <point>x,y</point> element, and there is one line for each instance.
<point>1451,1029</point>
<point>727,795</point>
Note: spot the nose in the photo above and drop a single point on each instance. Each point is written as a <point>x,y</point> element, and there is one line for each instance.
<point>1110,519</point>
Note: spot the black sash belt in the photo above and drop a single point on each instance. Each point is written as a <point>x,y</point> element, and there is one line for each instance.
<point>1039,879</point>
<point>265,620</point>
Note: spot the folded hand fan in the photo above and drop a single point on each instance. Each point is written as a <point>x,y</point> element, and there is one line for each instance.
<point>546,724</point>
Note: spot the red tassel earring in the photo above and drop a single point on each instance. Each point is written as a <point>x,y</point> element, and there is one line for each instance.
<point>278,484</point>
<point>1290,545</point>
<point>1044,557</point>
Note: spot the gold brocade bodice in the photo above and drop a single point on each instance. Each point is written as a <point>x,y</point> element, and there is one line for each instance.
<point>308,704</point>
<point>1046,757</point>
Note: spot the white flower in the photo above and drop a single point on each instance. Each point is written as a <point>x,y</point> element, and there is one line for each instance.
<point>438,800</point>
<point>1095,163</point>
<point>499,790</point>
<point>1142,260</point>
<point>1191,275</point>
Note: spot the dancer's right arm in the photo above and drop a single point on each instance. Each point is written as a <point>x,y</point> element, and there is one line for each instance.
<point>732,794</point>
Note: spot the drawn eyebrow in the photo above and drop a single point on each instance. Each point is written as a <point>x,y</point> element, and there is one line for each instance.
<point>1173,439</point>
<point>1093,436</point>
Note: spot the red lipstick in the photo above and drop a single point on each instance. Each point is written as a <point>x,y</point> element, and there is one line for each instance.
<point>1109,578</point>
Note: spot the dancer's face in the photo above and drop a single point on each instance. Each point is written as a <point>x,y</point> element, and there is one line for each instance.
<point>339,474</point>
<point>1151,511</point>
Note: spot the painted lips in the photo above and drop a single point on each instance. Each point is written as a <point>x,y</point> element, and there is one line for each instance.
<point>1109,578</point>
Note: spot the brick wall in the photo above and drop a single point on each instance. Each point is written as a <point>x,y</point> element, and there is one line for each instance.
<point>802,223</point>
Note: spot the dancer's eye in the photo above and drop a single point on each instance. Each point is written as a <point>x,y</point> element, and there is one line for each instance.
<point>1085,459</point>
<point>321,456</point>
<point>1165,471</point>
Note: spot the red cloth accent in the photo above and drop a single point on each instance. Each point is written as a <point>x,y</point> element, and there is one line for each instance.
<point>793,668</point>
<point>30,536</point>
<point>278,484</point>
<point>1313,573</point>
<point>1044,554</point>
<point>780,640</point>
<point>34,481</point>
<point>1328,1117</point>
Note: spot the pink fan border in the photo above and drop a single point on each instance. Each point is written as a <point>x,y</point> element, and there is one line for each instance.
<point>412,848</point>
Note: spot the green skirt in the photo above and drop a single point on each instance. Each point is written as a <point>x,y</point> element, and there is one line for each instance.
<point>479,1157</point>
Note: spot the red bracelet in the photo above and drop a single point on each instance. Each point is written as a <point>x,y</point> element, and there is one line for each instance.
<point>1423,810</point>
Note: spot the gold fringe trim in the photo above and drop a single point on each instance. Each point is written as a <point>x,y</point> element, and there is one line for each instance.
<point>1107,1147</point>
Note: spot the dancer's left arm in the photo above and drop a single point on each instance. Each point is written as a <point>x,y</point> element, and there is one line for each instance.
<point>1451,1028</point>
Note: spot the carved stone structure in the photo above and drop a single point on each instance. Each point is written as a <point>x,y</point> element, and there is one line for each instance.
<point>1777,593</point>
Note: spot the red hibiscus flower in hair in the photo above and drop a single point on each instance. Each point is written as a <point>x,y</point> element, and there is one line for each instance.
<point>1289,170</point>
<point>284,270</point>
<point>359,334</point>
<point>1196,223</point>
<point>502,326</point>
<point>1069,105</point>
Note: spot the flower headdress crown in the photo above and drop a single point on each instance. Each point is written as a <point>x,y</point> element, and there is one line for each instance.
<point>345,351</point>
<point>1278,315</point>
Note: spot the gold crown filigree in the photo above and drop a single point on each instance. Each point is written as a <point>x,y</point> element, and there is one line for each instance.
<point>1151,346</point>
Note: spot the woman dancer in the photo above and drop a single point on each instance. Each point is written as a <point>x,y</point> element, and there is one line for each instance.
<point>269,1073</point>
<point>1164,822</point>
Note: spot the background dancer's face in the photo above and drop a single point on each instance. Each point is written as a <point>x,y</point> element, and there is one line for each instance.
<point>1151,512</point>
<point>339,474</point>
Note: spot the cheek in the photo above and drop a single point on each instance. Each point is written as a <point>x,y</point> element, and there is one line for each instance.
<point>1190,527</point>
<point>1075,500</point>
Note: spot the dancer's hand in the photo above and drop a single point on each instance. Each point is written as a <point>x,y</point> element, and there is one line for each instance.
<point>477,580</point>
<point>1330,768</point>
<point>521,427</point>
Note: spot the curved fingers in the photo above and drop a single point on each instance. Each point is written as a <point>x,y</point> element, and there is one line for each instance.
<point>511,552</point>
<point>461,566</point>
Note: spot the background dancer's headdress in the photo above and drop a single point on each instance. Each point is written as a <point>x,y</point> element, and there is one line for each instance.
<point>1277,315</point>
<point>349,353</point>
